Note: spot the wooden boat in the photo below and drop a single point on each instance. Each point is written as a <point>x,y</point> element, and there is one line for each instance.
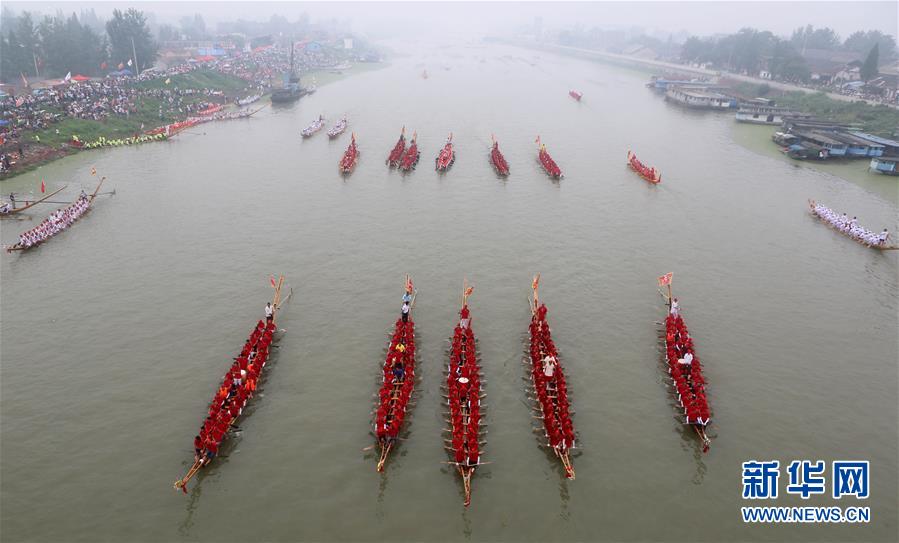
<point>28,205</point>
<point>90,202</point>
<point>398,380</point>
<point>549,165</point>
<point>338,128</point>
<point>396,154</point>
<point>650,174</point>
<point>411,156</point>
<point>314,127</point>
<point>249,100</point>
<point>350,158</point>
<point>550,389</point>
<point>819,211</point>
<point>689,384</point>
<point>446,157</point>
<point>235,390</point>
<point>500,166</point>
<point>577,95</point>
<point>463,399</point>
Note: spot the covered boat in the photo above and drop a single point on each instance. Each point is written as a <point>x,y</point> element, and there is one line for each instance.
<point>686,372</point>
<point>577,95</point>
<point>350,157</point>
<point>396,154</point>
<point>236,389</point>
<point>500,166</point>
<point>411,156</point>
<point>463,399</point>
<point>650,174</point>
<point>398,378</point>
<point>549,165</point>
<point>446,157</point>
<point>338,128</point>
<point>550,389</point>
<point>314,127</point>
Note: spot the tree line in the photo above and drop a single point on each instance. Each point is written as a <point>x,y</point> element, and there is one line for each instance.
<point>58,45</point>
<point>751,50</point>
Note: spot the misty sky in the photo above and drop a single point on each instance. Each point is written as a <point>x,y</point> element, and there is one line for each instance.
<point>477,19</point>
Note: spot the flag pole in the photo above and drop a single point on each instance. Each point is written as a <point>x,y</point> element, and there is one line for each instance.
<point>134,52</point>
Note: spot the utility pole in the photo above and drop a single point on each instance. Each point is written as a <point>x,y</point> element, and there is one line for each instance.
<point>134,52</point>
<point>34,56</point>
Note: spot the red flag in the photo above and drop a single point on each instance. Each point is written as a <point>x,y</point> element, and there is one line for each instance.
<point>103,66</point>
<point>665,279</point>
<point>43,186</point>
<point>468,291</point>
<point>536,282</point>
<point>273,281</point>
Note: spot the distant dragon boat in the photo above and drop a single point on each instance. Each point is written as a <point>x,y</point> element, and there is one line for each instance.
<point>850,228</point>
<point>350,157</point>
<point>249,100</point>
<point>314,127</point>
<point>446,157</point>
<point>549,165</point>
<point>498,160</point>
<point>338,128</point>
<point>650,174</point>
<point>463,399</point>
<point>577,95</point>
<point>396,154</point>
<point>411,156</point>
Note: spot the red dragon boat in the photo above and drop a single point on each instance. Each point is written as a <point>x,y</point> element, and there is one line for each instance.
<point>550,389</point>
<point>412,155</point>
<point>396,155</point>
<point>650,174</point>
<point>463,399</point>
<point>447,156</point>
<point>498,160</point>
<point>685,369</point>
<point>398,379</point>
<point>577,95</point>
<point>549,165</point>
<point>350,157</point>
<point>237,388</point>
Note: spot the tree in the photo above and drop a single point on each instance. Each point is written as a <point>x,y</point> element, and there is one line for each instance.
<point>194,28</point>
<point>70,46</point>
<point>810,37</point>
<point>129,28</point>
<point>869,68</point>
<point>168,33</point>
<point>861,42</point>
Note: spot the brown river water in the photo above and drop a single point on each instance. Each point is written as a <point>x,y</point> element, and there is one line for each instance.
<point>116,332</point>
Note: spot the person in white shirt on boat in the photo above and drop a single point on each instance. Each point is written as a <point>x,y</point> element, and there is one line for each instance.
<point>674,308</point>
<point>269,312</point>
<point>549,366</point>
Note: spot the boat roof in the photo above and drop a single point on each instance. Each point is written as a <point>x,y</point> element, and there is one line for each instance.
<point>818,137</point>
<point>855,140</point>
<point>876,139</point>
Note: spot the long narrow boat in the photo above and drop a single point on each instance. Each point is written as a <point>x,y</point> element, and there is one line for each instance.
<point>396,154</point>
<point>77,209</point>
<point>577,95</point>
<point>236,389</point>
<point>549,165</point>
<point>412,155</point>
<point>314,127</point>
<point>249,100</point>
<point>14,211</point>
<point>685,370</point>
<point>850,227</point>
<point>350,157</point>
<point>550,389</point>
<point>463,399</point>
<point>650,174</point>
<point>338,129</point>
<point>446,157</point>
<point>500,166</point>
<point>398,380</point>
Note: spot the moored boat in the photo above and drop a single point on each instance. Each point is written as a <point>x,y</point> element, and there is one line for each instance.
<point>549,165</point>
<point>463,399</point>
<point>396,154</point>
<point>446,157</point>
<point>398,378</point>
<point>550,389</point>
<point>850,227</point>
<point>683,366</point>
<point>249,100</point>
<point>58,221</point>
<point>411,156</point>
<point>577,95</point>
<point>314,127</point>
<point>236,389</point>
<point>500,166</point>
<point>650,174</point>
<point>350,157</point>
<point>338,129</point>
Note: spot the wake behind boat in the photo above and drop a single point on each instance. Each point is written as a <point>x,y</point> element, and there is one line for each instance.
<point>313,127</point>
<point>396,154</point>
<point>447,156</point>
<point>338,128</point>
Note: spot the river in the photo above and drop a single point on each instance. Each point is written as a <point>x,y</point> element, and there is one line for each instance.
<point>115,333</point>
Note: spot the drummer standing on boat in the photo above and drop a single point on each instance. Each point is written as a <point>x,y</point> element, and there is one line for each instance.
<point>269,312</point>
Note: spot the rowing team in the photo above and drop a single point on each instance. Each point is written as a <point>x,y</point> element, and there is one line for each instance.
<point>849,226</point>
<point>237,387</point>
<point>58,221</point>
<point>685,369</point>
<point>643,169</point>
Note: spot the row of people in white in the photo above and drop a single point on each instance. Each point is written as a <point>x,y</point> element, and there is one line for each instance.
<point>849,226</point>
<point>58,221</point>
